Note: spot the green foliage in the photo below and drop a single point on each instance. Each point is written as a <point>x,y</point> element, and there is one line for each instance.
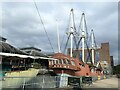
<point>91,66</point>
<point>116,69</point>
<point>36,65</point>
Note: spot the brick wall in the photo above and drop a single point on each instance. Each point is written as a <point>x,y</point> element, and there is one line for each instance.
<point>104,53</point>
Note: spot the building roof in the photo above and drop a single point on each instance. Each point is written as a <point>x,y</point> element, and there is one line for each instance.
<point>26,48</point>
<point>34,51</point>
<point>24,56</point>
<point>2,39</point>
<point>7,48</point>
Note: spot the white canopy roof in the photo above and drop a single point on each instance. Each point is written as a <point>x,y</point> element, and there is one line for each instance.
<point>24,56</point>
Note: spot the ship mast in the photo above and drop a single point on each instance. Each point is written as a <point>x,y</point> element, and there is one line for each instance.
<point>71,31</point>
<point>83,37</point>
<point>58,38</point>
<point>93,59</point>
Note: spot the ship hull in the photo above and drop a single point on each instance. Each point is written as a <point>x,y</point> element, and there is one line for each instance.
<point>71,66</point>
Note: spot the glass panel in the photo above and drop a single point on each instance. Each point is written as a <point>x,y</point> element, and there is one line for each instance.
<point>73,63</point>
<point>60,61</point>
<point>80,55</point>
<point>68,61</point>
<point>53,62</point>
<point>97,58</point>
<point>57,62</point>
<point>64,61</point>
<point>74,54</point>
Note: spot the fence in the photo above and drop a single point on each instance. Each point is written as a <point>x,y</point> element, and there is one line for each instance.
<point>47,81</point>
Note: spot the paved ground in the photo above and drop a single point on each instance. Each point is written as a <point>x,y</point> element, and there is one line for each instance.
<point>113,82</point>
<point>107,84</point>
<point>110,83</point>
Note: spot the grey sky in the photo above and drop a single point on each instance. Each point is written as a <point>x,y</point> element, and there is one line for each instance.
<point>21,24</point>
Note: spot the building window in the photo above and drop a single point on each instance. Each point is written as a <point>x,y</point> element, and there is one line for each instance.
<point>51,62</point>
<point>54,62</point>
<point>64,61</point>
<point>80,55</point>
<point>73,63</point>
<point>74,55</point>
<point>97,58</point>
<point>89,56</point>
<point>68,61</point>
<point>57,62</point>
<point>60,62</point>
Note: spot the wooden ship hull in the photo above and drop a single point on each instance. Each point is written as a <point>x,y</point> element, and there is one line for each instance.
<point>69,66</point>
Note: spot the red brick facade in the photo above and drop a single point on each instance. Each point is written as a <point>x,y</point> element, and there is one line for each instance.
<point>101,54</point>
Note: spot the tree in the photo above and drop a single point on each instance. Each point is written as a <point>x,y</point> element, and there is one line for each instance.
<point>116,69</point>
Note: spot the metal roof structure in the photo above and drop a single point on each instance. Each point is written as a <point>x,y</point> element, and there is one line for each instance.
<point>7,48</point>
<point>33,51</point>
<point>2,39</point>
<point>26,48</point>
<point>24,56</point>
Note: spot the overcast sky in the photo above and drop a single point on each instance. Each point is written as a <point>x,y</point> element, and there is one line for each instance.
<point>22,27</point>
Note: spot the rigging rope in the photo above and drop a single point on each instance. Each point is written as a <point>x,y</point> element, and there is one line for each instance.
<point>43,25</point>
<point>74,33</point>
<point>80,27</point>
<point>75,41</point>
<point>95,41</point>
<point>64,34</point>
<point>79,43</point>
<point>89,53</point>
<point>66,43</point>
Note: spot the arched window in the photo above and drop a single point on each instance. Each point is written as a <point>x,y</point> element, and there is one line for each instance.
<point>73,63</point>
<point>60,61</point>
<point>97,56</point>
<point>53,62</point>
<point>80,55</point>
<point>64,61</point>
<point>68,61</point>
<point>57,62</point>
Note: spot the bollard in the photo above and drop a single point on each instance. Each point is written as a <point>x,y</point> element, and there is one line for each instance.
<point>98,77</point>
<point>104,77</point>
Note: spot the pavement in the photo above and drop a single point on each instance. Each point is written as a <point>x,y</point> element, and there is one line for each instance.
<point>112,82</point>
<point>108,84</point>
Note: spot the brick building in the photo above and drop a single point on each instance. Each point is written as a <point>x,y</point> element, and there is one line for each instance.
<point>101,54</point>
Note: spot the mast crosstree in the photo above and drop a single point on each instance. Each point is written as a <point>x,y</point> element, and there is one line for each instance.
<point>75,37</point>
<point>72,32</point>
